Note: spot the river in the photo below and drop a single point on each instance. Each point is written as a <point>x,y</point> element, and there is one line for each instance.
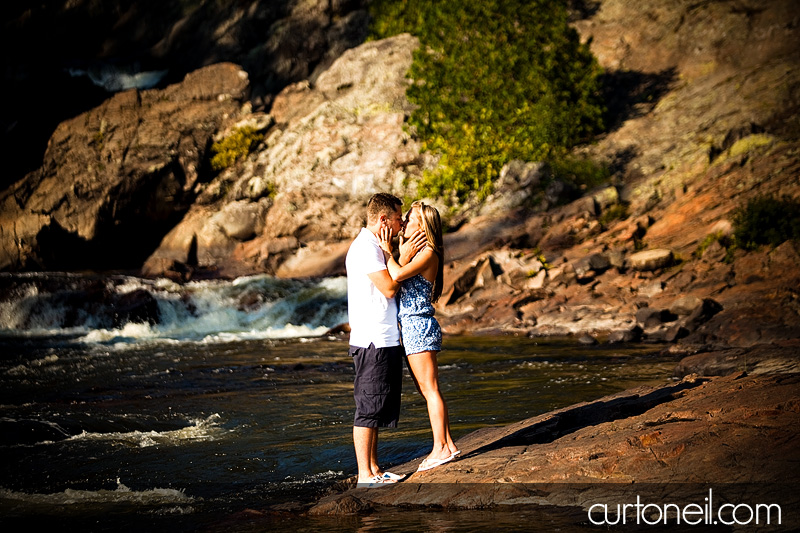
<point>231,396</point>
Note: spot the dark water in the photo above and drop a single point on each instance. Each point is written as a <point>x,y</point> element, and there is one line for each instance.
<point>186,435</point>
<point>130,404</point>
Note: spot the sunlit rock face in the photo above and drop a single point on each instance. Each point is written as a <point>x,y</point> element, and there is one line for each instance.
<point>702,118</point>
<point>330,146</point>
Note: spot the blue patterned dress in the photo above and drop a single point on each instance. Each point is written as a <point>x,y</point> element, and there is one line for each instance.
<point>419,330</point>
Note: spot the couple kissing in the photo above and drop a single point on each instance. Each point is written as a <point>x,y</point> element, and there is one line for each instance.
<point>391,314</point>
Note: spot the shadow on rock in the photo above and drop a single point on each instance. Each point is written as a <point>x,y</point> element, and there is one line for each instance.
<point>595,413</point>
<point>630,94</point>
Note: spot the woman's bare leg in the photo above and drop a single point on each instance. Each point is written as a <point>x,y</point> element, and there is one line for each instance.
<point>425,372</point>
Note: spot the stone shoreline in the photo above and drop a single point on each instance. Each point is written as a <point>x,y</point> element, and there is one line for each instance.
<point>697,432</point>
<point>716,426</point>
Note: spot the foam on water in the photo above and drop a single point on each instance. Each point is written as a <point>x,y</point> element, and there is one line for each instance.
<point>328,475</point>
<point>30,431</point>
<point>129,333</point>
<point>121,494</point>
<point>115,79</point>
<point>32,367</point>
<point>200,430</point>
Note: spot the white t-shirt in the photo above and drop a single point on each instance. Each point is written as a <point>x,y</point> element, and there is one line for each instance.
<point>373,316</point>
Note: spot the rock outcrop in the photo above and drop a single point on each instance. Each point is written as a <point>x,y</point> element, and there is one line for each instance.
<point>691,432</point>
<point>705,121</point>
<point>702,119</point>
<point>331,146</point>
<point>116,43</point>
<point>117,178</point>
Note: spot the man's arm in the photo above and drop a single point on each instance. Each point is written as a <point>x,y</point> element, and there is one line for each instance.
<point>384,282</point>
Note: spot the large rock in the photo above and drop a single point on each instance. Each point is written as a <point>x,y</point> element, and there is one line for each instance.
<point>760,359</point>
<point>650,259</point>
<point>593,263</point>
<point>700,123</point>
<point>242,220</point>
<point>605,198</point>
<point>116,42</point>
<point>115,179</point>
<point>333,145</point>
<point>725,73</point>
<point>518,185</point>
<point>685,305</point>
<point>699,430</point>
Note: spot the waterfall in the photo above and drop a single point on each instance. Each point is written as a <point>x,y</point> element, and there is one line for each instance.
<point>114,79</point>
<point>124,309</point>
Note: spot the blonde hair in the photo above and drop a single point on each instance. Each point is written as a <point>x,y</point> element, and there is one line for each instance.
<point>432,225</point>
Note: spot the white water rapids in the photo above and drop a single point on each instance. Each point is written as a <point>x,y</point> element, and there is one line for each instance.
<point>127,310</point>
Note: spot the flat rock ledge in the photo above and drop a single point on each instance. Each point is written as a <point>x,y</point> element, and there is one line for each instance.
<point>734,432</point>
<point>651,259</point>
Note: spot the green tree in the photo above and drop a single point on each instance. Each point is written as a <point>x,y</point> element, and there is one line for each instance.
<point>495,80</point>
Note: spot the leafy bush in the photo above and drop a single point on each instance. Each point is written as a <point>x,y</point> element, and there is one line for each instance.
<point>233,147</point>
<point>766,220</point>
<point>615,212</point>
<point>750,143</point>
<point>724,240</point>
<point>580,173</point>
<point>495,80</point>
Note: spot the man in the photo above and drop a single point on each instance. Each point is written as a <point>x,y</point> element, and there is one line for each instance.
<point>374,338</point>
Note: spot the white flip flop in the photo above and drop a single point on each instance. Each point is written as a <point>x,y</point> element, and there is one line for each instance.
<point>393,477</point>
<point>433,464</point>
<point>375,481</point>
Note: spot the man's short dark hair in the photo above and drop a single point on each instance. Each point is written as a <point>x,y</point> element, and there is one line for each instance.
<point>382,204</point>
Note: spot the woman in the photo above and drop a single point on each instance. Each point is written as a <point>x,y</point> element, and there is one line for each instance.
<point>420,286</point>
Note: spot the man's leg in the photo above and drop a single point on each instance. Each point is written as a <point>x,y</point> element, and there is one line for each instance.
<point>373,456</point>
<point>373,404</point>
<point>365,441</point>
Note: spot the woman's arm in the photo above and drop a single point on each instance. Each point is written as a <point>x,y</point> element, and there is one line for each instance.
<point>415,256</point>
<point>418,265</point>
<point>410,247</point>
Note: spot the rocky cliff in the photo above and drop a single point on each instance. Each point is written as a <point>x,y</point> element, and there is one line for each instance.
<point>703,103</point>
<point>706,96</point>
<point>301,195</point>
<point>702,107</point>
<point>63,58</point>
<point>115,177</point>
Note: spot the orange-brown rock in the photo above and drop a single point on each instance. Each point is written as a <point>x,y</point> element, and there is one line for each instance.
<point>704,431</point>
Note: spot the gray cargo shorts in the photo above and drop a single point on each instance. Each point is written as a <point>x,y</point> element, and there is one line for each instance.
<point>377,385</point>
